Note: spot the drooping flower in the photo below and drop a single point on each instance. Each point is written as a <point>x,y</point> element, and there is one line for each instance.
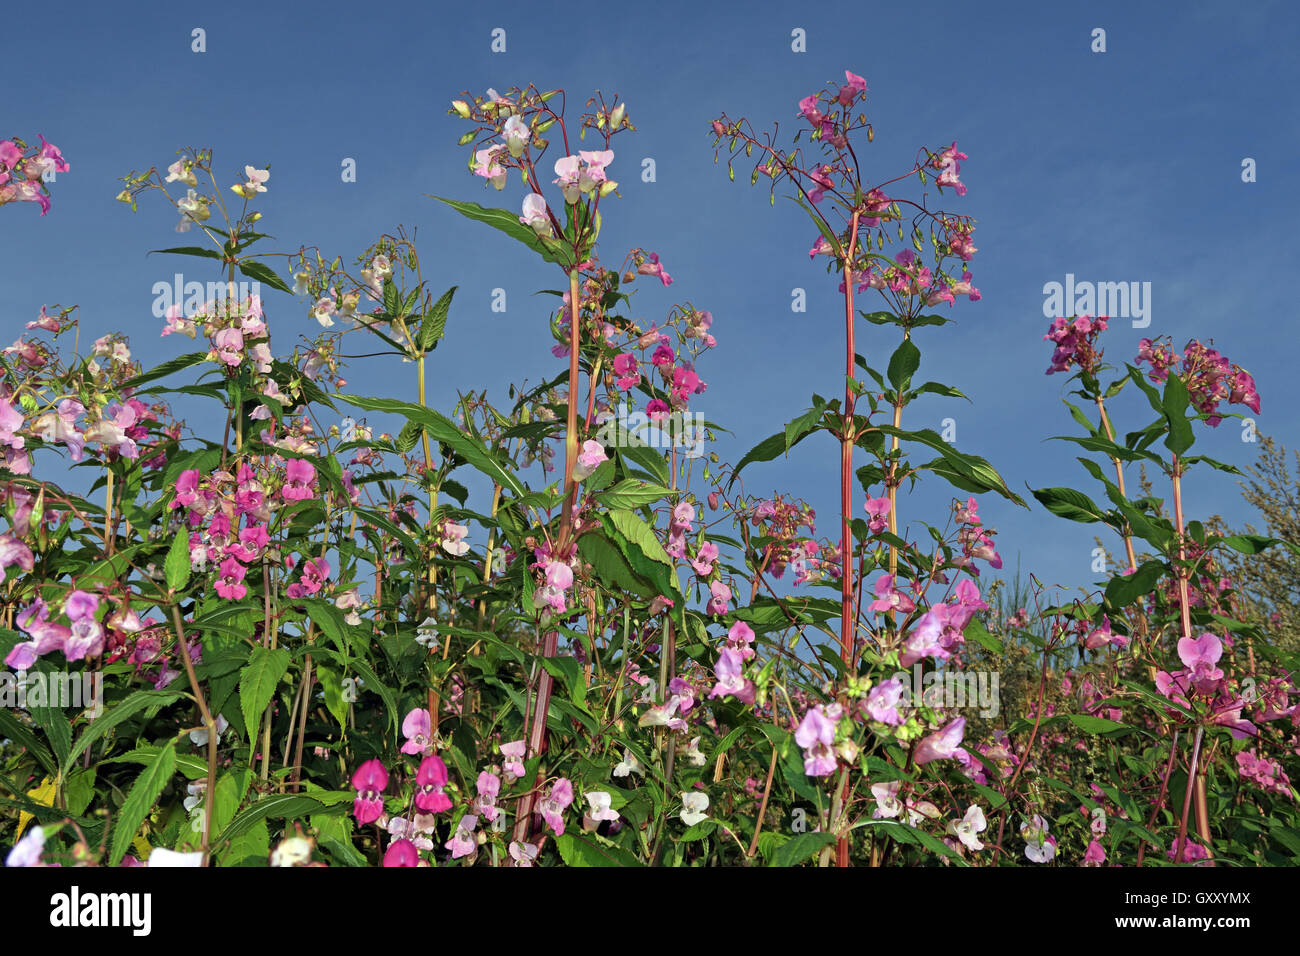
<point>695,805</point>
<point>401,853</point>
<point>944,744</point>
<point>591,457</point>
<point>417,728</point>
<point>554,804</point>
<point>369,781</point>
<point>968,828</point>
<point>816,735</point>
<point>732,682</point>
<point>463,841</point>
<point>429,781</point>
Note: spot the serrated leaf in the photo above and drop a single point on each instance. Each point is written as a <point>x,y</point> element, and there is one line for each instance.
<point>144,793</point>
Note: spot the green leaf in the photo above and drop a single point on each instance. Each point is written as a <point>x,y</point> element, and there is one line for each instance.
<point>434,324</point>
<point>19,733</point>
<point>1176,400</point>
<point>508,222</point>
<point>264,273</point>
<point>631,493</point>
<point>587,850</point>
<point>190,251</point>
<point>801,847</point>
<point>177,565</point>
<point>169,367</point>
<point>902,364</point>
<point>1070,504</point>
<point>147,702</point>
<point>139,801</point>
<point>768,449</point>
<point>1098,725</point>
<point>444,430</point>
<point>279,806</point>
<point>258,680</point>
<point>1123,589</point>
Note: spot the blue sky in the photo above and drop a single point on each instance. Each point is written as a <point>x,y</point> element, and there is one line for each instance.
<point>1115,166</point>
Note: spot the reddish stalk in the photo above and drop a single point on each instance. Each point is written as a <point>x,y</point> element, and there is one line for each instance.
<point>1119,480</point>
<point>848,629</point>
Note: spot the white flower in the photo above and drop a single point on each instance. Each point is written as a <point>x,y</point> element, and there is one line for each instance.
<point>535,215</point>
<point>694,805</point>
<point>200,736</point>
<point>27,851</point>
<point>517,134</point>
<point>629,765</point>
<point>600,808</point>
<point>693,754</point>
<point>178,173</point>
<point>426,635</point>
<point>967,829</point>
<point>164,857</point>
<point>295,851</point>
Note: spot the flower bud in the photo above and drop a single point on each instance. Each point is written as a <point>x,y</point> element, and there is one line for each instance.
<point>607,187</point>
<point>617,116</point>
<point>461,108</point>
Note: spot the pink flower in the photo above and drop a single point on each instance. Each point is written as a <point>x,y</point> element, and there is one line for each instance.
<point>721,597</point>
<point>943,744</point>
<point>401,853</point>
<point>1095,855</point>
<point>704,558</point>
<point>815,735</point>
<point>653,268</point>
<point>590,458</point>
<point>417,728</point>
<point>230,346</point>
<point>229,585</point>
<point>536,215</point>
<point>429,780</point>
<point>878,509</point>
<point>462,842</point>
<point>369,782</point>
<point>730,671</point>
<point>889,599</point>
<point>513,752</point>
<point>626,368</point>
<point>299,476</point>
<point>1199,656</point>
<point>488,786</point>
<point>882,702</point>
<point>13,552</point>
<point>552,807</point>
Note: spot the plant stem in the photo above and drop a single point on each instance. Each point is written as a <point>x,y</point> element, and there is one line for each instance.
<point>208,722</point>
<point>1119,480</point>
<point>848,620</point>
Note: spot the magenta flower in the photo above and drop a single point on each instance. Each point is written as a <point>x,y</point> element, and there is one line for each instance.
<point>429,780</point>
<point>369,782</point>
<point>552,807</point>
<point>513,752</point>
<point>463,841</point>
<point>732,682</point>
<point>13,552</point>
<point>299,476</point>
<point>816,735</point>
<point>401,853</point>
<point>488,786</point>
<point>230,585</point>
<point>704,558</point>
<point>417,728</point>
<point>721,597</point>
<point>1199,656</point>
<point>943,744</point>
<point>889,599</point>
<point>882,703</point>
<point>878,509</point>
